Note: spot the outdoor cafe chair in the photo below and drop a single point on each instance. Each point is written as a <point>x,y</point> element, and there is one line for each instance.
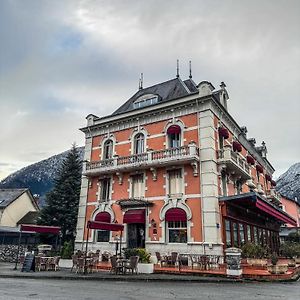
<point>53,263</point>
<point>74,262</point>
<point>172,260</point>
<point>43,264</point>
<point>160,259</point>
<point>80,265</point>
<point>115,267</point>
<point>132,264</point>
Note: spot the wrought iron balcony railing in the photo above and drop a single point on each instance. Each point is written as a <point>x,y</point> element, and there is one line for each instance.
<point>149,159</point>
<point>233,162</point>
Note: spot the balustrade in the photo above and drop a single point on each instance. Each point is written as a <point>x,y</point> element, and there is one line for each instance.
<point>151,158</point>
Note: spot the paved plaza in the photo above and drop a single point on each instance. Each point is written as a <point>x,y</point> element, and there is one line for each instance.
<point>24,288</point>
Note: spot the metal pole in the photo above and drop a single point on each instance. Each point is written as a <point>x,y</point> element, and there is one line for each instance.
<point>121,242</point>
<point>20,235</point>
<point>86,249</point>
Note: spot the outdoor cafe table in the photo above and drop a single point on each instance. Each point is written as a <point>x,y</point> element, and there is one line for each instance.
<point>122,262</point>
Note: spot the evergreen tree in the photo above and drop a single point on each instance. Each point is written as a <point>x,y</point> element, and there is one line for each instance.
<point>62,201</point>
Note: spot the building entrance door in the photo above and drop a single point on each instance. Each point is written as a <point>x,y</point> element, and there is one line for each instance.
<point>136,235</point>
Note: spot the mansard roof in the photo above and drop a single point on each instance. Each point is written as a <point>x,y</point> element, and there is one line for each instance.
<point>166,91</point>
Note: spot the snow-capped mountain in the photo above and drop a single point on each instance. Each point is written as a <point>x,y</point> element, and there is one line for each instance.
<point>288,184</point>
<point>39,176</point>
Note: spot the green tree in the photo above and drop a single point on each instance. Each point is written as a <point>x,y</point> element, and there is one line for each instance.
<point>62,201</point>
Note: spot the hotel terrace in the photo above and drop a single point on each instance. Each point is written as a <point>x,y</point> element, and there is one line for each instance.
<point>176,169</point>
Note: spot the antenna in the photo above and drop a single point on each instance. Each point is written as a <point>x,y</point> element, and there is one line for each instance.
<point>177,75</point>
<point>139,83</point>
<point>142,79</point>
<point>190,66</point>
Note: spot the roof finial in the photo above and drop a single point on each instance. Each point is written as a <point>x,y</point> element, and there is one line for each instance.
<point>177,75</point>
<point>190,65</point>
<point>142,79</point>
<point>139,83</point>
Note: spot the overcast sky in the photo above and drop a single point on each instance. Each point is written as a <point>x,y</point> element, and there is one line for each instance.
<point>61,60</point>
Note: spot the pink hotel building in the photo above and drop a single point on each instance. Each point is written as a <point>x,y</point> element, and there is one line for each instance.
<point>176,169</point>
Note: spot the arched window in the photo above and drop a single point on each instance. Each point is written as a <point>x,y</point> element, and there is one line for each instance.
<point>108,149</point>
<point>174,136</point>
<point>176,225</point>
<point>139,143</point>
<point>103,235</point>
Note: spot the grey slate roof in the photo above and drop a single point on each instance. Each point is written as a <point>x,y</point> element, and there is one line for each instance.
<point>29,218</point>
<point>7,196</point>
<point>168,90</point>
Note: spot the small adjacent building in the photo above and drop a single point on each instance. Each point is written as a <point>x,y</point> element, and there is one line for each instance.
<point>15,204</point>
<point>292,207</point>
<point>179,172</point>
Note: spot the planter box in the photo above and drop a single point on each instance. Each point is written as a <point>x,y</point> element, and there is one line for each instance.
<point>277,269</point>
<point>257,261</point>
<point>145,268</point>
<point>297,260</point>
<point>65,263</point>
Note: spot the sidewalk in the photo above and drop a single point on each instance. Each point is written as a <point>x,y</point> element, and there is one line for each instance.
<point>7,271</point>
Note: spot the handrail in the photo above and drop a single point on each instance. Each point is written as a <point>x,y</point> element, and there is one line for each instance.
<point>146,157</point>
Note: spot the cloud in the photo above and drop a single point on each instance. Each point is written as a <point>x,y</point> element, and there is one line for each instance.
<point>61,60</point>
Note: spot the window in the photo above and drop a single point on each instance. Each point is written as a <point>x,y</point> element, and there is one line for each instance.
<point>137,188</point>
<point>257,174</point>
<point>242,235</point>
<point>235,235</point>
<point>228,233</point>
<point>175,182</point>
<point>224,183</point>
<point>139,140</point>
<point>102,236</point>
<point>174,136</point>
<point>145,101</point>
<point>105,189</point>
<point>108,149</point>
<point>238,186</point>
<point>249,239</point>
<point>177,231</point>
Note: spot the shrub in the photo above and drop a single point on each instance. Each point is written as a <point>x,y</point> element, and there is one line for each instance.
<point>274,259</point>
<point>290,249</point>
<point>142,253</point>
<point>67,250</point>
<point>250,250</point>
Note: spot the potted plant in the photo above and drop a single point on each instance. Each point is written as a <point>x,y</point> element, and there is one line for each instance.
<point>274,268</point>
<point>145,265</point>
<point>255,254</point>
<point>66,255</point>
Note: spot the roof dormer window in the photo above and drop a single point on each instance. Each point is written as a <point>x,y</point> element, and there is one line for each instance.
<point>145,100</point>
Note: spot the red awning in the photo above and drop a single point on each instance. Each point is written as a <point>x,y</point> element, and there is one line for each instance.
<point>236,146</point>
<point>173,129</point>
<point>273,212</point>
<point>103,217</point>
<point>134,216</point>
<point>105,226</point>
<point>268,177</point>
<point>176,214</point>
<point>273,182</point>
<point>223,132</point>
<point>40,228</point>
<point>250,160</point>
<point>257,203</point>
<point>259,169</point>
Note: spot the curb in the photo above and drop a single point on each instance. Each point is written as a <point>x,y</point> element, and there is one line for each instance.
<point>129,279</point>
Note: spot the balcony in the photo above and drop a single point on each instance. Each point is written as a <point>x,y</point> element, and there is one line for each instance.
<point>274,197</point>
<point>151,159</point>
<point>233,162</point>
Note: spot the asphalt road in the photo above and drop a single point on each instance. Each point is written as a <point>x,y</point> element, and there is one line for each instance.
<point>87,290</point>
